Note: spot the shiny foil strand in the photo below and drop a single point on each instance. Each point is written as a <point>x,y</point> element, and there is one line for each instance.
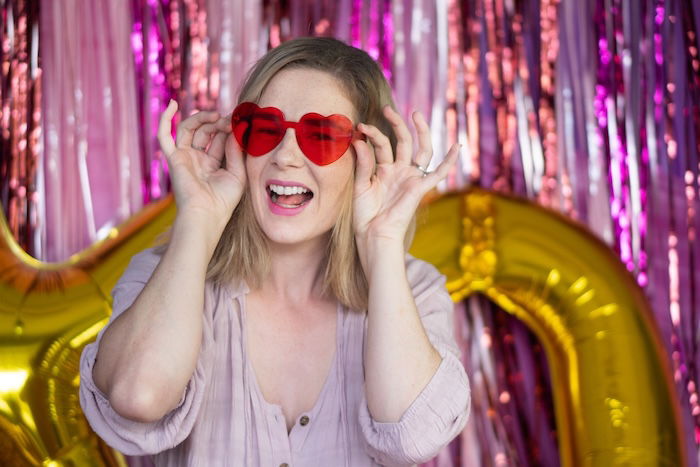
<point>547,122</point>
<point>373,32</point>
<point>677,109</point>
<point>197,57</point>
<point>492,110</point>
<point>641,213</point>
<point>573,115</point>
<point>631,28</point>
<point>400,65</point>
<point>610,141</point>
<point>455,96</point>
<point>137,45</point>
<point>658,183</point>
<point>675,242</point>
<point>148,51</point>
<point>660,271</point>
<point>690,18</point>
<point>355,26</point>
<point>667,151</point>
<point>453,48</point>
<point>437,105</point>
<point>238,40</point>
<point>530,165</point>
<point>423,48</point>
<point>521,106</point>
<point>506,119</point>
<point>471,60</point>
<point>387,40</point>
<point>521,165</point>
<point>20,92</point>
<point>35,144</point>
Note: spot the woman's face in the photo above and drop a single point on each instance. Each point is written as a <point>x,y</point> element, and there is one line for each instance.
<point>299,217</point>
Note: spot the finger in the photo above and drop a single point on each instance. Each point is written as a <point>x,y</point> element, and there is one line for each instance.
<point>203,135</point>
<point>165,137</point>
<point>381,143</point>
<point>218,144</point>
<point>404,140</point>
<point>187,127</point>
<point>425,141</point>
<point>224,124</point>
<point>365,166</point>
<point>234,158</point>
<point>216,150</point>
<point>443,169</point>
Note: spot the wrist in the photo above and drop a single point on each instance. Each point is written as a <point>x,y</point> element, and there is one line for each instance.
<point>376,250</point>
<point>192,229</point>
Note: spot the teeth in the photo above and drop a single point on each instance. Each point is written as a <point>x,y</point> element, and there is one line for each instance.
<point>287,190</point>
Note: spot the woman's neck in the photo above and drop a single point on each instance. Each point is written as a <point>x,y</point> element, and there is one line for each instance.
<point>296,271</point>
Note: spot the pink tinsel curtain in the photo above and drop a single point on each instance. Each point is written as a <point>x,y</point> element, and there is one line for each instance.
<point>589,107</point>
<point>89,173</point>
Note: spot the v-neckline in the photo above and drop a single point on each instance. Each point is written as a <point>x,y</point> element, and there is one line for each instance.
<point>250,371</point>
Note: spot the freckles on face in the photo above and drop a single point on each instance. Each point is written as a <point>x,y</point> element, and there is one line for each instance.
<point>293,198</point>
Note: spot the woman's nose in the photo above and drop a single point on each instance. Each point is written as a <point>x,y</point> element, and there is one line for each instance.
<point>288,151</point>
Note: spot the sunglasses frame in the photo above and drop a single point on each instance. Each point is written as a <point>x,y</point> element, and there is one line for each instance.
<point>246,111</point>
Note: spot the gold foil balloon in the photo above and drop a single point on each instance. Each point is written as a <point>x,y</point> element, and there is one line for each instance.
<point>613,393</point>
<point>48,312</point>
<point>615,402</point>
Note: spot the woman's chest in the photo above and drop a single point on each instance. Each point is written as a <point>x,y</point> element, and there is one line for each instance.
<point>291,360</point>
<point>245,416</point>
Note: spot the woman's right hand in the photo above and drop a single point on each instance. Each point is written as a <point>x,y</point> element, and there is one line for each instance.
<point>200,184</point>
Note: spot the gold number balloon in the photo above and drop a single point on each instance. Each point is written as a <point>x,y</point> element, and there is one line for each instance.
<point>613,393</point>
<point>48,312</point>
<point>615,403</point>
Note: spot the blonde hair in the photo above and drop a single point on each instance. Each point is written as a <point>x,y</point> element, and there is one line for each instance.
<point>242,252</point>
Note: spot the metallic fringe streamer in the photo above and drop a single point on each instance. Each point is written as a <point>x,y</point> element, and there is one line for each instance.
<point>20,115</point>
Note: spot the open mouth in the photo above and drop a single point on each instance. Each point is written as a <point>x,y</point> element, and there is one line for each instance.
<point>289,197</point>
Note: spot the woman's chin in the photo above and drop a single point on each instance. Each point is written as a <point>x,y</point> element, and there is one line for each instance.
<point>295,237</point>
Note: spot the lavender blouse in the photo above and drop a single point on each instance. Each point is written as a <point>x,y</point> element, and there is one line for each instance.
<point>223,419</point>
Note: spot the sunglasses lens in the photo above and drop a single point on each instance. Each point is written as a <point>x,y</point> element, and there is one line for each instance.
<point>257,130</point>
<point>324,139</point>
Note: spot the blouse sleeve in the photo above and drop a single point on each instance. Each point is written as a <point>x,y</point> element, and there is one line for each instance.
<point>440,412</point>
<point>127,436</point>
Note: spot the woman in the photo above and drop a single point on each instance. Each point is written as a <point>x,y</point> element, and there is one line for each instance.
<point>283,323</point>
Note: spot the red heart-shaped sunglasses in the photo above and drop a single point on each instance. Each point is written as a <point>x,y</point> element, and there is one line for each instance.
<point>322,139</point>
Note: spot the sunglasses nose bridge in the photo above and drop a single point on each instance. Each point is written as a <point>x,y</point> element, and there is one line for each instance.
<point>288,151</point>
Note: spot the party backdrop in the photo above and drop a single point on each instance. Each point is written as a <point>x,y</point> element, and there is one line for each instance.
<point>588,107</point>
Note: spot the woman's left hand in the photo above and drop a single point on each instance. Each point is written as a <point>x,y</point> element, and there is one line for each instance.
<point>385,200</point>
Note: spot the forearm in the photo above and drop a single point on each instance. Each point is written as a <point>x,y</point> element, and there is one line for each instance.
<point>148,354</point>
<point>399,358</point>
